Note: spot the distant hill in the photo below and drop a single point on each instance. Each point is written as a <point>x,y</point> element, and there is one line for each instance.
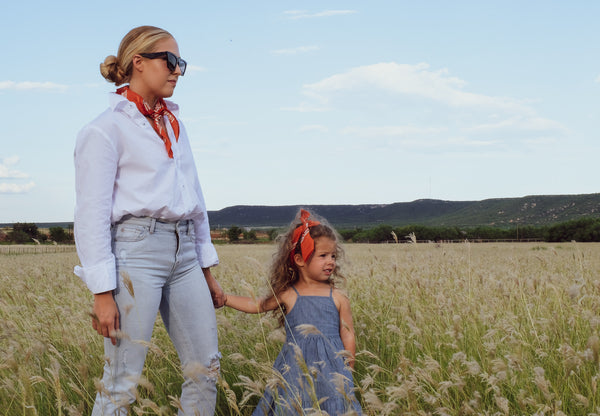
<point>533,210</point>
<point>499,212</point>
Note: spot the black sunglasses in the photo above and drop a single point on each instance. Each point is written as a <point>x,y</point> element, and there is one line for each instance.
<point>172,60</point>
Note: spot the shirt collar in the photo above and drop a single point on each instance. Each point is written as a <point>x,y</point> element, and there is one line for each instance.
<point>119,103</point>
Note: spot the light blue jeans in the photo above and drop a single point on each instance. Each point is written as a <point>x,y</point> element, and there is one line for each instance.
<point>158,271</point>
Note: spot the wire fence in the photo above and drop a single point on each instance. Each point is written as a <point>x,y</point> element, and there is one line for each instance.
<point>37,249</point>
<point>470,240</point>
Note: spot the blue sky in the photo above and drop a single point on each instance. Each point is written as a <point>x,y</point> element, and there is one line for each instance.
<point>319,102</point>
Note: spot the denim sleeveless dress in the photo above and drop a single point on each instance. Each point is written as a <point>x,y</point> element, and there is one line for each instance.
<point>308,367</point>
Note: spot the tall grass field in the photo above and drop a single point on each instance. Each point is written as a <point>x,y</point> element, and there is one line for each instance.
<point>451,329</point>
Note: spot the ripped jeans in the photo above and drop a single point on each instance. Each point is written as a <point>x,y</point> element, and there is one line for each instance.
<point>158,271</point>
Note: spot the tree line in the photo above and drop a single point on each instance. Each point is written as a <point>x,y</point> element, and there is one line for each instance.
<point>26,232</point>
<point>581,230</point>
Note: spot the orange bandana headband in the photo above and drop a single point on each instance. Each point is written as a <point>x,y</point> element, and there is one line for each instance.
<point>156,113</point>
<point>302,237</point>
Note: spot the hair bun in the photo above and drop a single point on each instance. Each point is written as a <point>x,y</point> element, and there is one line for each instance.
<point>111,71</point>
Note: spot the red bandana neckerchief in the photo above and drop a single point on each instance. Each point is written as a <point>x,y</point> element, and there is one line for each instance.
<point>302,236</point>
<point>160,110</point>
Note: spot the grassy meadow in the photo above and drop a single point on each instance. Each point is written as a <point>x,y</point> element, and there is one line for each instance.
<point>455,329</point>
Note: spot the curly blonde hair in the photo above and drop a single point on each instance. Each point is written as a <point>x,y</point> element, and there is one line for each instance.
<point>283,272</point>
<point>118,69</point>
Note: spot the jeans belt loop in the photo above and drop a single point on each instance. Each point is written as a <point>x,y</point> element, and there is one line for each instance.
<point>190,226</point>
<point>152,225</point>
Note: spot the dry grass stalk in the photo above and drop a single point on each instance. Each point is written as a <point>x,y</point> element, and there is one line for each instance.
<point>455,329</point>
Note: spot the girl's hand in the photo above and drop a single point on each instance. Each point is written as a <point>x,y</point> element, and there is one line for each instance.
<point>216,292</point>
<point>105,316</point>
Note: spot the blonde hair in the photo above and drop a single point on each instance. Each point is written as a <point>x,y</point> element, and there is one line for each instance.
<point>142,39</point>
<point>284,273</point>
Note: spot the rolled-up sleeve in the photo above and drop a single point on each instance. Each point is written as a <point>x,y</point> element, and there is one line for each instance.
<point>205,250</point>
<point>96,160</point>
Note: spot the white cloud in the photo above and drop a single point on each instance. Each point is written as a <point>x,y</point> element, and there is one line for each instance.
<point>398,106</point>
<point>314,127</point>
<point>32,85</point>
<point>195,68</point>
<point>467,142</point>
<point>6,172</point>
<point>294,51</point>
<point>13,188</point>
<point>306,108</point>
<point>303,14</point>
<point>542,141</point>
<point>394,138</point>
<point>392,131</point>
<point>410,80</point>
<point>532,123</point>
<point>11,160</point>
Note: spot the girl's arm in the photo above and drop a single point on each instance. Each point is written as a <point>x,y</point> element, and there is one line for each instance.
<point>250,305</point>
<point>347,328</point>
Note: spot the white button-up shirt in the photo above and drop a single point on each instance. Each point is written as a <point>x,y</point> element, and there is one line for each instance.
<point>122,168</point>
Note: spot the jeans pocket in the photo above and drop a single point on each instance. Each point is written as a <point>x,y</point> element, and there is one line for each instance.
<point>130,233</point>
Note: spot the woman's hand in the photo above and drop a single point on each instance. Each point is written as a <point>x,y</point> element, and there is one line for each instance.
<point>105,316</point>
<point>216,292</point>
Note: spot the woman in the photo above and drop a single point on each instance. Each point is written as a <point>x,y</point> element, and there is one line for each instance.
<point>141,228</point>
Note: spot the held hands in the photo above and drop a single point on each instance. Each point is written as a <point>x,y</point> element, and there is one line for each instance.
<point>105,316</point>
<point>216,292</point>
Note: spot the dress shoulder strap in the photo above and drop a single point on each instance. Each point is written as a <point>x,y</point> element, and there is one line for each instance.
<point>331,292</point>
<point>294,287</point>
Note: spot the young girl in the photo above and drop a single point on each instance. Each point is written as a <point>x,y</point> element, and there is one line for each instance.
<point>318,322</point>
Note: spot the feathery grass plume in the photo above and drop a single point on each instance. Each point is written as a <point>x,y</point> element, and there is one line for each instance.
<point>251,388</point>
<point>308,329</point>
<point>229,395</point>
<point>236,357</point>
<point>344,324</point>
<point>542,383</point>
<point>571,359</point>
<point>395,237</point>
<point>277,335</point>
<point>145,404</point>
<point>127,282</point>
<point>502,403</point>
<point>340,381</point>
<point>513,300</point>
<point>76,389</point>
<point>54,372</point>
<point>144,383</point>
<point>72,410</point>
<point>366,382</point>
<point>373,402</point>
<point>151,346</point>
<point>582,400</point>
<point>121,335</point>
<point>127,308</point>
<point>443,411</point>
<point>594,384</point>
<point>349,412</point>
<point>366,354</point>
<point>593,343</point>
<point>196,371</point>
<point>176,403</point>
<point>346,356</point>
<point>473,368</point>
